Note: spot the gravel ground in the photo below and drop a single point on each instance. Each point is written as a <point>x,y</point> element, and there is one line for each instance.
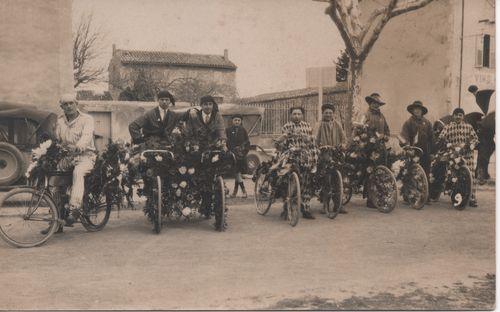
<point>435,258</point>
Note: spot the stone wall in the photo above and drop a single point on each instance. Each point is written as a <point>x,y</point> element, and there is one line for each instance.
<point>35,51</point>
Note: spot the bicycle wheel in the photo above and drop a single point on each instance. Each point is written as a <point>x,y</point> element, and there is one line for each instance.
<point>418,187</point>
<point>96,213</point>
<point>460,196</point>
<point>220,205</point>
<point>382,189</point>
<point>334,198</point>
<point>346,194</point>
<point>157,203</point>
<point>262,191</point>
<point>25,217</point>
<point>293,201</point>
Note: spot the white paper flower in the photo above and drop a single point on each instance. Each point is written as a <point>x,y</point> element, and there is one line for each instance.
<point>182,169</point>
<point>191,170</point>
<point>186,211</point>
<point>183,184</point>
<point>454,179</point>
<point>215,158</point>
<point>372,140</point>
<point>416,159</point>
<point>457,149</point>
<point>369,169</point>
<point>178,193</point>
<point>176,130</point>
<point>174,185</point>
<point>358,173</point>
<point>187,148</point>
<point>196,148</point>
<point>158,158</point>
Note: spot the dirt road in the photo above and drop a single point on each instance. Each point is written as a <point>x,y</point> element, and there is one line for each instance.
<point>436,258</point>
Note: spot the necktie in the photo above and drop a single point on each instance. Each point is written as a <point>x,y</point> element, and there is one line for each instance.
<point>206,117</point>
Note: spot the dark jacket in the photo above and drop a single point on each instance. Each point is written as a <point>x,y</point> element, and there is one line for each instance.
<point>150,125</point>
<point>206,134</point>
<point>376,121</point>
<point>237,141</point>
<point>418,132</point>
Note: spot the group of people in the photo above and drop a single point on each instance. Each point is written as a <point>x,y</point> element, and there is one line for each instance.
<point>154,128</point>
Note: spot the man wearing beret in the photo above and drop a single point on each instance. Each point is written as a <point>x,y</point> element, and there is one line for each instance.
<point>458,133</point>
<point>207,127</point>
<point>417,131</point>
<point>155,127</point>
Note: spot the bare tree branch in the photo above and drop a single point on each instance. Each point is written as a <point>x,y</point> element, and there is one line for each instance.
<point>85,51</point>
<point>407,6</point>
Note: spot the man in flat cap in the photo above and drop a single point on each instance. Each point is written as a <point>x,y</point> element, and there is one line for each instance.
<point>417,131</point>
<point>75,129</point>
<point>458,132</point>
<point>155,127</point>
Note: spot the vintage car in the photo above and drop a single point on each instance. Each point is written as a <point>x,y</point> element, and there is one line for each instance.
<point>22,127</point>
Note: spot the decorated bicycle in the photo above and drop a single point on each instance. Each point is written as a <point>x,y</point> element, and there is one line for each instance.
<point>30,215</point>
<point>451,175</point>
<point>366,169</point>
<point>176,178</point>
<point>414,184</point>
<point>327,182</point>
<point>279,179</point>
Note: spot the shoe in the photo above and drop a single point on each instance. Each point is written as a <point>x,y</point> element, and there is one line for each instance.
<point>284,213</point>
<point>473,203</point>
<point>307,215</point>
<point>233,195</point>
<point>245,195</point>
<point>58,231</point>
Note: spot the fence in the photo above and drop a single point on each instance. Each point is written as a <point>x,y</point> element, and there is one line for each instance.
<point>277,105</point>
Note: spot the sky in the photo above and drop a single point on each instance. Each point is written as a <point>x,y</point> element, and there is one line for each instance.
<point>272,42</point>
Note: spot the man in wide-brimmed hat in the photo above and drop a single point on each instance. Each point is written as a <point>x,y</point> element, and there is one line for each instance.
<point>457,133</point>
<point>417,131</point>
<point>156,125</point>
<point>374,117</point>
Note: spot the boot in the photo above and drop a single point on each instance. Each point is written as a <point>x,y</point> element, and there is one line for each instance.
<point>242,186</point>
<point>473,202</point>
<point>235,189</point>
<point>306,214</point>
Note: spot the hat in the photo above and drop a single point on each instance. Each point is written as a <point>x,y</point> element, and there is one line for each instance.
<point>165,94</point>
<point>458,110</point>
<point>209,99</point>
<point>417,104</point>
<point>68,97</point>
<point>374,97</point>
<point>294,108</point>
<point>237,116</point>
<point>327,106</point>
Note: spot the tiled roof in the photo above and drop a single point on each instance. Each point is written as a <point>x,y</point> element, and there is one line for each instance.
<point>289,94</point>
<point>175,58</point>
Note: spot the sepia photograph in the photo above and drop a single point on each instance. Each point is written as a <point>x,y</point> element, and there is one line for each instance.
<point>332,155</point>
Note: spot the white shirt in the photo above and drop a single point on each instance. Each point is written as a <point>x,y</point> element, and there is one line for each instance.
<point>79,132</point>
<point>206,117</point>
<point>162,113</point>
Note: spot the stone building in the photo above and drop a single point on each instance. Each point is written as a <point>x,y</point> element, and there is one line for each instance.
<point>163,68</point>
<point>35,51</point>
<point>421,55</point>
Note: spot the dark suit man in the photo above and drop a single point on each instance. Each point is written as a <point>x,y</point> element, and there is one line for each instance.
<point>155,126</point>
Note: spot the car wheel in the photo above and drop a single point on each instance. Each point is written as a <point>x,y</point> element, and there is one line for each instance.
<point>12,164</point>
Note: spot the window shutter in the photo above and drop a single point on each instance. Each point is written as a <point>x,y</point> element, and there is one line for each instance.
<point>479,50</point>
<point>492,52</point>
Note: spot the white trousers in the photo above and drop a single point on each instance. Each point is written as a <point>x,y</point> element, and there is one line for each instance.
<point>83,166</point>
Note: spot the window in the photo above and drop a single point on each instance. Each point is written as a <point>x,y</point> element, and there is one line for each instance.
<point>485,51</point>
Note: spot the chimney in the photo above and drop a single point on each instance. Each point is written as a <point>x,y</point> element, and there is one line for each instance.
<point>226,55</point>
<point>114,49</point>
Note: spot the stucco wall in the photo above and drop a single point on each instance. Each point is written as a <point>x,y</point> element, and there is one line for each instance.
<point>35,51</point>
<point>410,61</point>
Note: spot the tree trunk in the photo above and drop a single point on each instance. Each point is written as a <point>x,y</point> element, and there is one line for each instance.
<point>354,108</point>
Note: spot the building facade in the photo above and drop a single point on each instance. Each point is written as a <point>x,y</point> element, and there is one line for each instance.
<point>421,56</point>
<point>172,69</point>
<point>35,51</point>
